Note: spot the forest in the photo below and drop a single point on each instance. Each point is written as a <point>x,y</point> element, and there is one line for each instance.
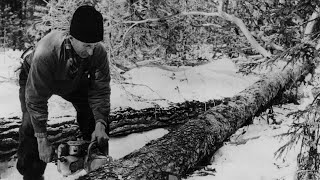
<point>265,34</point>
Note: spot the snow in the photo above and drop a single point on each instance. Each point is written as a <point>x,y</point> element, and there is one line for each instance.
<point>251,155</point>
<point>9,99</point>
<point>248,155</point>
<point>215,80</point>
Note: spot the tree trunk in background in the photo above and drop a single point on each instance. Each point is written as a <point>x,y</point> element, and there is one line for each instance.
<point>180,150</point>
<point>124,122</point>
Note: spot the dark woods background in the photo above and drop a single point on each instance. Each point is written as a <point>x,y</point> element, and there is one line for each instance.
<point>16,17</point>
<point>280,21</point>
<point>140,30</point>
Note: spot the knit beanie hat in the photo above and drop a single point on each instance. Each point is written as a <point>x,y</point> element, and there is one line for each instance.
<point>87,25</point>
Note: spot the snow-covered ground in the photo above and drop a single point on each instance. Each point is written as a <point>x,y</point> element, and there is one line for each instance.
<point>249,155</point>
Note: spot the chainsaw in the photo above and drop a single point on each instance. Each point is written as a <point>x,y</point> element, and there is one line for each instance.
<point>74,156</point>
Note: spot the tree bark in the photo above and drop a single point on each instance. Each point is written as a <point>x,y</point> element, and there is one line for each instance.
<point>124,122</point>
<point>179,151</point>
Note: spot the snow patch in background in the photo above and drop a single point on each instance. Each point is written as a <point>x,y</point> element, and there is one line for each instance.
<point>9,100</point>
<point>9,89</point>
<point>9,62</point>
<point>214,80</point>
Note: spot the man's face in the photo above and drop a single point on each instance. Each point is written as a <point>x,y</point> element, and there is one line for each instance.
<point>84,50</point>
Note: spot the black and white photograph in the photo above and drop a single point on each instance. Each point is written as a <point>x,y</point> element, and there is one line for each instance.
<point>160,89</point>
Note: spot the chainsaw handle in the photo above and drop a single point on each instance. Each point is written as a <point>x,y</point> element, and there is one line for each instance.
<point>92,143</point>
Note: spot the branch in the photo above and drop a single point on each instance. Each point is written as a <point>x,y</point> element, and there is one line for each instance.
<point>272,44</point>
<point>150,20</point>
<point>221,6</point>
<point>167,17</point>
<point>311,23</point>
<point>142,21</point>
<point>143,85</point>
<point>211,24</point>
<point>206,25</point>
<point>257,58</point>
<point>127,31</point>
<point>200,13</point>
<point>254,44</point>
<point>308,31</point>
<point>151,63</point>
<point>134,23</point>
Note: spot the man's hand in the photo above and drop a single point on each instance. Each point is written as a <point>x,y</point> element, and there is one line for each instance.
<point>100,134</point>
<point>45,149</point>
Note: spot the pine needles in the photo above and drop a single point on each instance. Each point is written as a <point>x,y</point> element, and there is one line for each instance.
<point>305,131</point>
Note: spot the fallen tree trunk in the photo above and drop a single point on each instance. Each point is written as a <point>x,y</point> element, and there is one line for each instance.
<point>124,122</point>
<point>179,151</point>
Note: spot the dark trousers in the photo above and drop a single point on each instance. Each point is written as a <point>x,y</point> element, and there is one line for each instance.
<point>29,164</point>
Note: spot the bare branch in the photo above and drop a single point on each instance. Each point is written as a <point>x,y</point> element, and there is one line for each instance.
<point>272,44</point>
<point>127,31</point>
<point>311,23</point>
<point>220,13</point>
<point>153,63</point>
<point>150,20</point>
<point>142,21</point>
<point>200,13</point>
<point>255,45</point>
<point>221,5</point>
<point>211,24</point>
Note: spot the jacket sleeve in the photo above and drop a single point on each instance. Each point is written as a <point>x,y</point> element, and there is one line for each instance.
<point>38,90</point>
<point>99,92</point>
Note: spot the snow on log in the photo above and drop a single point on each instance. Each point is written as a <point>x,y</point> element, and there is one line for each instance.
<point>180,150</point>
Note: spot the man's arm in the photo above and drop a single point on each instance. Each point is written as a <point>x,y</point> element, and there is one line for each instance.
<point>99,92</point>
<point>38,91</point>
<point>99,98</point>
<point>37,94</point>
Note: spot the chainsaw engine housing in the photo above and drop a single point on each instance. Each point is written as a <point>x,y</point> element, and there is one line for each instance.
<point>76,155</point>
<point>71,156</point>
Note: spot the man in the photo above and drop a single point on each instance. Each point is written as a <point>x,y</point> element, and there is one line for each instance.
<point>75,67</point>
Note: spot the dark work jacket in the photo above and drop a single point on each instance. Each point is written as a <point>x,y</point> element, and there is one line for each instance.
<point>50,74</point>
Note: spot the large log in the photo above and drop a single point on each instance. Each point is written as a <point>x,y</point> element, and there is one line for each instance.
<point>124,122</point>
<point>179,151</point>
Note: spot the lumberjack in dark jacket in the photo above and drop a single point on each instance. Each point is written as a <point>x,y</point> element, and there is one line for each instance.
<point>75,67</point>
